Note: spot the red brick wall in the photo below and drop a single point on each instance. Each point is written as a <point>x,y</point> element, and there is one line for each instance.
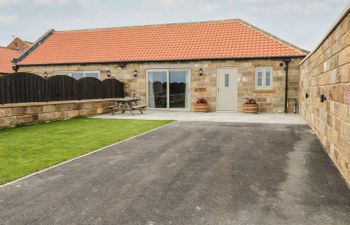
<point>18,44</point>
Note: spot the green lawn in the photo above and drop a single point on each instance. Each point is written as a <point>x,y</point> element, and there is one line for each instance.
<point>24,150</point>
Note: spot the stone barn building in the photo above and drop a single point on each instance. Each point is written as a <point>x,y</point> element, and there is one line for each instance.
<point>169,66</point>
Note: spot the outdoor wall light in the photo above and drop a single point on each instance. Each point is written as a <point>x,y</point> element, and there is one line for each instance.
<point>323,98</point>
<point>108,73</point>
<point>200,72</point>
<point>135,73</point>
<point>45,74</point>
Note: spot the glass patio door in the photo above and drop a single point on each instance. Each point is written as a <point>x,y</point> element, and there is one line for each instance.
<point>157,89</point>
<point>178,89</point>
<point>168,89</point>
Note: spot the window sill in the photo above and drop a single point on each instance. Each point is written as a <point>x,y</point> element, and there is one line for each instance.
<point>264,90</point>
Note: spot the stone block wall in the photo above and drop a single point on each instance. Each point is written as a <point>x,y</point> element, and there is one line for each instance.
<point>327,72</point>
<point>201,86</point>
<point>29,113</point>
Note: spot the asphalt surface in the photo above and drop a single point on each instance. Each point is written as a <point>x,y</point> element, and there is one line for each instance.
<point>189,173</point>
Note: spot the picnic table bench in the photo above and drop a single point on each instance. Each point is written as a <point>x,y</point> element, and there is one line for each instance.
<point>127,104</point>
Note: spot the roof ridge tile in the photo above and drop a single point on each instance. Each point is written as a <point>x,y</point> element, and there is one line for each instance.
<point>149,25</point>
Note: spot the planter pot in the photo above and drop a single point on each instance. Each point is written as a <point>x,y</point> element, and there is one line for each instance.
<point>201,107</point>
<point>250,108</point>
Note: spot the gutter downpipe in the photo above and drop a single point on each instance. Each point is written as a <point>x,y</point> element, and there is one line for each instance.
<point>14,66</point>
<point>286,65</point>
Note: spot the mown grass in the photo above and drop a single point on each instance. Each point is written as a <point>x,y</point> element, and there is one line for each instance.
<point>24,150</point>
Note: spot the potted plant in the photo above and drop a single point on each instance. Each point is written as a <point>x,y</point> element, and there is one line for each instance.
<point>250,106</point>
<point>201,105</point>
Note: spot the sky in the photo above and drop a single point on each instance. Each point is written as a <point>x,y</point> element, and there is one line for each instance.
<point>300,22</point>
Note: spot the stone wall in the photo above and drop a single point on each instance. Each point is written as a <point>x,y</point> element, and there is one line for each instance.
<point>29,113</point>
<point>327,72</point>
<point>201,86</point>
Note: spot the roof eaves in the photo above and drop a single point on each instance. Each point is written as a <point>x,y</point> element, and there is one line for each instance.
<point>344,14</point>
<point>167,60</point>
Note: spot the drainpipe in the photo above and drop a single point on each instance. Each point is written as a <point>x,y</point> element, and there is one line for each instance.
<point>14,65</point>
<point>286,64</point>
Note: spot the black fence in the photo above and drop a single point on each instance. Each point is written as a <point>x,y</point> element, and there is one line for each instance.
<point>27,87</point>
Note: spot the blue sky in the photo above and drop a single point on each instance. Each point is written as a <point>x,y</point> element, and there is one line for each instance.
<point>301,22</point>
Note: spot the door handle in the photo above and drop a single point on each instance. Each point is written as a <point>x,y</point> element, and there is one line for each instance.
<point>218,89</point>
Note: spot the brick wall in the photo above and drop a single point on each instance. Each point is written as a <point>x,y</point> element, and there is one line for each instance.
<point>201,86</point>
<point>18,44</point>
<point>29,113</point>
<point>327,72</point>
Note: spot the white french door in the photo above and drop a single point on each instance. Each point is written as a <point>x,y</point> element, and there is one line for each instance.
<point>168,89</point>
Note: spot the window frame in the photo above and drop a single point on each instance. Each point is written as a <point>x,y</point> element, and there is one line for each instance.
<point>263,82</point>
<point>168,70</point>
<point>70,73</point>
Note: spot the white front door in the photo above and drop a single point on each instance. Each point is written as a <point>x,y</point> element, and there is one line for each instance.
<point>226,89</point>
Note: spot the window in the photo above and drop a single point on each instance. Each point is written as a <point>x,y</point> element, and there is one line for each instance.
<point>259,84</point>
<point>80,74</point>
<point>168,88</point>
<point>92,74</point>
<point>263,78</point>
<point>62,74</point>
<point>268,77</point>
<point>227,79</point>
<point>77,75</point>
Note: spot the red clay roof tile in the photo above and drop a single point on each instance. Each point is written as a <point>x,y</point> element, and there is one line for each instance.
<point>187,41</point>
<point>6,56</point>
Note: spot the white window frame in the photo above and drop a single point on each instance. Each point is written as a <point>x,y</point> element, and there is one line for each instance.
<point>69,73</point>
<point>263,84</point>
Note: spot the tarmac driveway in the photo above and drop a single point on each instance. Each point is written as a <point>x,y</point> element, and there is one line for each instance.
<point>189,173</point>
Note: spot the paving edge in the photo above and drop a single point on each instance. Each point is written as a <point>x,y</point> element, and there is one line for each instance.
<point>81,156</point>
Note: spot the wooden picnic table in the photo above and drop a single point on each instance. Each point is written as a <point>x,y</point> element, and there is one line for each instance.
<point>126,104</point>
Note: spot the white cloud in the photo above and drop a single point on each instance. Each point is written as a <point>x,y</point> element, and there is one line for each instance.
<point>210,7</point>
<point>7,2</point>
<point>49,2</point>
<point>167,3</point>
<point>304,8</point>
<point>7,19</point>
<point>84,3</point>
<point>276,6</point>
<point>88,3</point>
<point>198,5</point>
